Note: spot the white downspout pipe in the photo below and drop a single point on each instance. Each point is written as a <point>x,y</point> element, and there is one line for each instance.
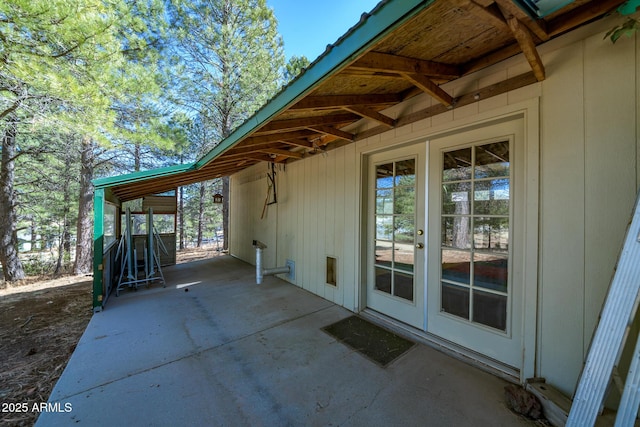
<point>261,272</point>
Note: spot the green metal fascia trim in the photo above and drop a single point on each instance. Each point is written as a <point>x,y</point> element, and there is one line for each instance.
<point>98,256</point>
<point>383,19</point>
<point>141,176</point>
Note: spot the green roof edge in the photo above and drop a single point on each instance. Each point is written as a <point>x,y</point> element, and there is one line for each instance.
<point>141,176</point>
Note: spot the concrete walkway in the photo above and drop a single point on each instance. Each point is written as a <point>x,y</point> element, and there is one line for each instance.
<point>230,353</point>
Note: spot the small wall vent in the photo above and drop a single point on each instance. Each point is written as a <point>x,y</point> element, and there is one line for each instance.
<point>332,271</point>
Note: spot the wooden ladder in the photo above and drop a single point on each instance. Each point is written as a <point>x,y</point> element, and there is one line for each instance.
<point>618,314</point>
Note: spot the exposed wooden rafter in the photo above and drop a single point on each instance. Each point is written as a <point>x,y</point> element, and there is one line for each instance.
<point>370,113</point>
<point>496,17</point>
<point>275,137</point>
<point>464,99</point>
<point>337,101</point>
<point>298,143</point>
<point>528,47</point>
<point>328,130</point>
<point>251,148</point>
<point>428,86</point>
<point>273,158</point>
<point>537,27</point>
<point>303,123</point>
<point>285,153</point>
<point>387,63</point>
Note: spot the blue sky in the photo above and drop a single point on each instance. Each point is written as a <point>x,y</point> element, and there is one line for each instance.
<point>308,26</point>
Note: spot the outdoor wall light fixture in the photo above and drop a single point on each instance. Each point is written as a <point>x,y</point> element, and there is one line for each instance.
<point>217,198</point>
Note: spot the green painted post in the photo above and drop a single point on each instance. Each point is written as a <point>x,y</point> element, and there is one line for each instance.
<point>98,239</point>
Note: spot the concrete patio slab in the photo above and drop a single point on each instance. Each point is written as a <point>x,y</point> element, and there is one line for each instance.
<point>213,348</point>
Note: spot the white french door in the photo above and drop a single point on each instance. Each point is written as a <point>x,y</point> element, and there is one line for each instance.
<point>476,205</point>
<point>396,234</point>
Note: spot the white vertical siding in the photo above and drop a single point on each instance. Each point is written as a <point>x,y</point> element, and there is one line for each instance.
<point>316,216</point>
<point>246,204</point>
<point>562,218</point>
<point>610,164</point>
<point>589,152</point>
<point>588,186</point>
<point>349,251</point>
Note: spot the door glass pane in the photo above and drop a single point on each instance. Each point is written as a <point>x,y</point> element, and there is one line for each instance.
<point>404,229</point>
<point>384,201</point>
<point>455,232</point>
<point>492,160</point>
<point>384,227</point>
<point>490,271</point>
<point>406,173</point>
<point>384,176</point>
<point>491,234</point>
<point>403,257</point>
<point>383,280</point>
<point>457,165</point>
<point>455,198</point>
<point>456,266</point>
<point>490,309</point>
<point>403,285</point>
<point>384,253</point>
<point>455,300</point>
<point>491,197</point>
<point>404,203</point>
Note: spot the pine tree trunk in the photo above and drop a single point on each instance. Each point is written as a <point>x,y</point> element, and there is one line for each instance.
<point>34,236</point>
<point>84,245</point>
<point>137,161</point>
<point>65,235</point>
<point>11,265</point>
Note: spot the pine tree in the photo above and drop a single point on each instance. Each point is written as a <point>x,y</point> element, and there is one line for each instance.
<point>231,60</point>
<point>67,63</point>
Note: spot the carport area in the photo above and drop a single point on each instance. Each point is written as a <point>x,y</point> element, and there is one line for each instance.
<point>214,348</point>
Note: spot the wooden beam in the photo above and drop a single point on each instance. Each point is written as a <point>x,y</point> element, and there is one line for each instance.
<point>328,130</point>
<point>488,15</point>
<point>523,36</point>
<point>366,72</point>
<point>337,101</point>
<point>266,158</point>
<point>298,143</point>
<point>430,88</point>
<point>537,27</point>
<point>465,99</point>
<point>286,153</point>
<point>302,123</point>
<point>273,137</point>
<point>372,114</point>
<point>250,148</point>
<point>387,63</point>
<point>492,58</point>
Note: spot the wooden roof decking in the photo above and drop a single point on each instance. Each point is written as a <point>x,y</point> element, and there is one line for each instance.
<point>432,43</point>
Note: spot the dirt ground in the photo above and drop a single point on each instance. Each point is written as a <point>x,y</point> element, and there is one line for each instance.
<point>41,321</point>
